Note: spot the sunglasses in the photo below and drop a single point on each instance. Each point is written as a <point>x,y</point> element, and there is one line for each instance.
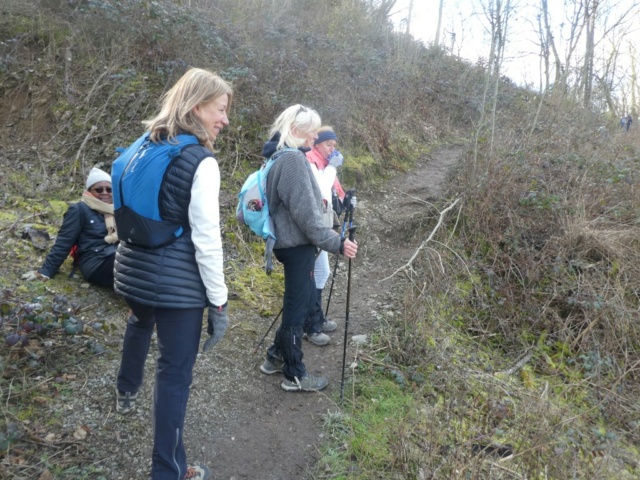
<point>102,189</point>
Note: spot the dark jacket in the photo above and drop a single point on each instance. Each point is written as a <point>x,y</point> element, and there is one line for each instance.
<point>168,276</point>
<point>86,228</point>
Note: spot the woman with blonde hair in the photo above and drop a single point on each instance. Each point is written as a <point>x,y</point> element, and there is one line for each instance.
<point>169,285</point>
<point>295,205</point>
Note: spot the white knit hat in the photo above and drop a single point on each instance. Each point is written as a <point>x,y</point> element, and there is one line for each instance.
<point>96,175</point>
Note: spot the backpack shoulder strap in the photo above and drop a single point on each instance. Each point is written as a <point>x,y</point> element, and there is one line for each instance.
<point>265,171</point>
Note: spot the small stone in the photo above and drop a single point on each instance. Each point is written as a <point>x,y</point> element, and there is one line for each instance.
<point>359,339</point>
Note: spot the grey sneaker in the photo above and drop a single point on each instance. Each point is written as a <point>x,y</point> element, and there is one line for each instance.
<point>319,339</point>
<point>269,367</point>
<point>125,402</point>
<point>309,383</point>
<point>329,326</point>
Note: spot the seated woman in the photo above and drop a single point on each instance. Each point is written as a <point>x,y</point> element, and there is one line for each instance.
<point>90,225</point>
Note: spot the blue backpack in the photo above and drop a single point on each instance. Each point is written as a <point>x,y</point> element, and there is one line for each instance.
<point>253,206</point>
<point>136,177</point>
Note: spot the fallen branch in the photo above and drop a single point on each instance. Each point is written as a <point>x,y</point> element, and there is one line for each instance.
<point>424,243</point>
<point>519,364</point>
<point>584,332</point>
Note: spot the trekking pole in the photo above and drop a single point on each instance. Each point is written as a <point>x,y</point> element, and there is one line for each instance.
<point>350,199</point>
<point>265,335</point>
<point>335,266</point>
<point>352,232</point>
<point>274,322</point>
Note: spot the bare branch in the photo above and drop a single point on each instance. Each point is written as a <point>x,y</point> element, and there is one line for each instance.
<point>408,265</point>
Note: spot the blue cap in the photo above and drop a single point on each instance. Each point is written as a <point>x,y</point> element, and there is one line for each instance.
<point>324,136</point>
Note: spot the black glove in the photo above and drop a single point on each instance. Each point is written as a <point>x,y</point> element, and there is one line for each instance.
<point>217,323</point>
<point>346,201</point>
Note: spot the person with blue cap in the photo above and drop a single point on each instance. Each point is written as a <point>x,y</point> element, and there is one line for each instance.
<point>324,160</point>
<point>88,233</point>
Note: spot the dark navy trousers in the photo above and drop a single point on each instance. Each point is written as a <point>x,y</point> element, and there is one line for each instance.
<point>299,297</point>
<point>178,341</point>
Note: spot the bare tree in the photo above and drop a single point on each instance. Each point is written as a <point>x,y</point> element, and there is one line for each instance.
<point>550,42</point>
<point>591,11</point>
<point>437,37</point>
<point>633,87</point>
<point>409,17</point>
<point>574,18</point>
<point>497,13</point>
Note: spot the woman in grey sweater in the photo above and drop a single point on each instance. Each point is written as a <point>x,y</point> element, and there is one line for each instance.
<point>295,204</point>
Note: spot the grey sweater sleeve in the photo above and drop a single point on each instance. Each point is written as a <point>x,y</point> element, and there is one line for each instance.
<point>295,203</point>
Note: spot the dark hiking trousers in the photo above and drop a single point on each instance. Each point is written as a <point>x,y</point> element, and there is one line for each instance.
<point>315,318</point>
<point>178,340</point>
<point>103,275</point>
<point>299,297</point>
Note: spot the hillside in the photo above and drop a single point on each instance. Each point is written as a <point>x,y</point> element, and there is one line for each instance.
<point>497,282</point>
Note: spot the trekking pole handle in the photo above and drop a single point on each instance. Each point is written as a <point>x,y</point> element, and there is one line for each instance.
<point>352,232</point>
<point>350,220</point>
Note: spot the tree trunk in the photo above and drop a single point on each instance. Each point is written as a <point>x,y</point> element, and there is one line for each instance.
<point>551,43</point>
<point>409,17</point>
<point>587,70</point>
<point>437,38</point>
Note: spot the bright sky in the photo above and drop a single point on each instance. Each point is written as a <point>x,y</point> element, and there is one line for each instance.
<point>464,29</point>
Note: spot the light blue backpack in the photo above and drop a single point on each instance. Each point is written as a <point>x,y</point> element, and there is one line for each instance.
<point>253,206</point>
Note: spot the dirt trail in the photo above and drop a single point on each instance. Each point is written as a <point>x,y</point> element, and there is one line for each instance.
<point>239,421</point>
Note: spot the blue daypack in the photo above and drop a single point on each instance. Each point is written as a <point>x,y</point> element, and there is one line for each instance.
<point>136,177</point>
<point>253,206</point>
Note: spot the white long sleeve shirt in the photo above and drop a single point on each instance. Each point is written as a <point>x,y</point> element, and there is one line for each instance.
<point>204,219</point>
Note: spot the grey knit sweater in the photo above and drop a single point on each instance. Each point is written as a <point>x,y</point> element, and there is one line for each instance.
<point>295,203</point>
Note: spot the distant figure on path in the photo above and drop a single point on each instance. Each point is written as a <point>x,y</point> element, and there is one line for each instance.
<point>629,121</point>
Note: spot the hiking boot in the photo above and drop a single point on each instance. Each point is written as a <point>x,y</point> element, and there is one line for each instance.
<point>309,383</point>
<point>125,402</point>
<point>269,367</point>
<point>197,472</point>
<point>319,339</point>
<point>329,326</point>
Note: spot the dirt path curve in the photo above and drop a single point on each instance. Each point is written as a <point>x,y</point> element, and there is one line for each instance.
<point>239,421</point>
